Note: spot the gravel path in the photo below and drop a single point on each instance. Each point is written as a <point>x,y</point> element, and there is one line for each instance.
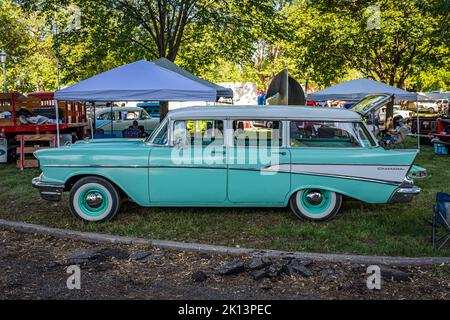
<point>34,267</point>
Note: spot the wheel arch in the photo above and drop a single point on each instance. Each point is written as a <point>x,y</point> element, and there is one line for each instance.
<point>77,177</point>
<point>321,187</point>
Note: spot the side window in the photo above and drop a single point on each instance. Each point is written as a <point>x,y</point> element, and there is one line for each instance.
<point>257,133</point>
<point>318,134</point>
<point>105,116</point>
<point>199,132</point>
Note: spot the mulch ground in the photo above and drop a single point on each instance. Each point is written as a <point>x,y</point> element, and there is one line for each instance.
<point>35,267</point>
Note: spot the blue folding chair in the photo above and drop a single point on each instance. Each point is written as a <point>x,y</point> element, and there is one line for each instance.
<point>441,220</point>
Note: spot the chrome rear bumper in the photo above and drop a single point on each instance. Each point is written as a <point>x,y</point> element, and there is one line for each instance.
<point>48,191</point>
<point>402,195</point>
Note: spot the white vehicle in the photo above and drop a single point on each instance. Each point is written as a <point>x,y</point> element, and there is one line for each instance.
<point>430,107</point>
<point>123,118</point>
<point>398,114</point>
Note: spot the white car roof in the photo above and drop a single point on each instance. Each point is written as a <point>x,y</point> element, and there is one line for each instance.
<point>264,113</point>
<point>107,109</point>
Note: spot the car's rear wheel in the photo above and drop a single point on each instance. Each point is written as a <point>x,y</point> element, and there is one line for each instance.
<point>316,204</point>
<point>94,199</point>
<point>430,110</point>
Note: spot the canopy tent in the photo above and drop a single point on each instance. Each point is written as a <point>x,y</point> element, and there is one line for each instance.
<point>356,90</point>
<point>222,92</point>
<point>138,81</point>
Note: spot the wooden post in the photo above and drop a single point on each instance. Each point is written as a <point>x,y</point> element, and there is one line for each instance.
<point>163,109</point>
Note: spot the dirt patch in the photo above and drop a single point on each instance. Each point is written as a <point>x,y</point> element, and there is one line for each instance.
<point>34,267</point>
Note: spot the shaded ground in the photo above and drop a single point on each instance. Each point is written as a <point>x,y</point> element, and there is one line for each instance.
<point>34,267</point>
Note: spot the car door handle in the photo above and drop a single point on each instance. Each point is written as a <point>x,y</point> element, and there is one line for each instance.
<point>281,153</point>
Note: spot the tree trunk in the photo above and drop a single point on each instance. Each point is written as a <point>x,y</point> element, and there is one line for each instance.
<point>390,115</point>
<point>164,109</point>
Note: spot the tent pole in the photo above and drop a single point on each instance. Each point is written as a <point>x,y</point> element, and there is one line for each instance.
<point>58,142</point>
<point>418,123</point>
<point>94,124</point>
<point>112,120</point>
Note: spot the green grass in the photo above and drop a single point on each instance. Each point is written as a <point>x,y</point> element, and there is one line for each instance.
<point>399,229</point>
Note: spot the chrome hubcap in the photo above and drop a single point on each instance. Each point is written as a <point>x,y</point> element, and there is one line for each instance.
<point>314,198</point>
<point>94,200</point>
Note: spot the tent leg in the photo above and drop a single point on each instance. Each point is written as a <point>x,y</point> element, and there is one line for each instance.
<point>418,125</point>
<point>58,142</point>
<point>112,120</point>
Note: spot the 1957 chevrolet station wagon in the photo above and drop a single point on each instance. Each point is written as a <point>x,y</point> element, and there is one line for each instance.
<point>309,159</point>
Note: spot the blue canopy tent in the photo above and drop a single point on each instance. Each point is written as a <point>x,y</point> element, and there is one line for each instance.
<point>138,81</point>
<point>356,90</point>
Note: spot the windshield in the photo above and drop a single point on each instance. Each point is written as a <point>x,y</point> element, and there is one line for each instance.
<point>145,115</point>
<point>160,135</point>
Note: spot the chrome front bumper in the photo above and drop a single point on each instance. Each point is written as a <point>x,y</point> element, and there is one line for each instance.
<point>48,191</point>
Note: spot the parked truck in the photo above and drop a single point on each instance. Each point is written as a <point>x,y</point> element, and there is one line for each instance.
<point>36,114</point>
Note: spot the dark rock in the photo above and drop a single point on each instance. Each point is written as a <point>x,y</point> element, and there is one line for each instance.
<point>215,264</point>
<point>83,256</point>
<point>304,262</point>
<point>205,256</point>
<point>114,253</point>
<point>266,260</point>
<point>138,256</point>
<point>232,268</point>
<point>296,267</point>
<point>328,273</point>
<point>257,264</point>
<point>276,269</point>
<point>199,276</point>
<point>260,274</point>
<point>394,275</point>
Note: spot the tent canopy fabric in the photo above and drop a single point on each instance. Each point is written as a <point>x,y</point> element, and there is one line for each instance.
<point>138,81</point>
<point>356,90</point>
<point>222,92</point>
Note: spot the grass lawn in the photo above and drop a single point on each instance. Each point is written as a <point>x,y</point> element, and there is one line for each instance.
<point>399,229</point>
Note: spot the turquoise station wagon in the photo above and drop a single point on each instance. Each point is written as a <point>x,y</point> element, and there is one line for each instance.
<point>308,159</point>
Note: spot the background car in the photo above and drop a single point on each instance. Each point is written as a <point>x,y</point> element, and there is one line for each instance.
<point>123,118</point>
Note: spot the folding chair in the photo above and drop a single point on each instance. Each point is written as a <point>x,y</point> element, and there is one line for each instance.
<point>441,220</point>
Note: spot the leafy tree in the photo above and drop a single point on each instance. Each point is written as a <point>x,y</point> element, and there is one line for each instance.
<point>385,40</point>
<point>31,62</point>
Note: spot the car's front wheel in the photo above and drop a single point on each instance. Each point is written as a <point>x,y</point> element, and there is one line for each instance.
<point>94,199</point>
<point>316,204</point>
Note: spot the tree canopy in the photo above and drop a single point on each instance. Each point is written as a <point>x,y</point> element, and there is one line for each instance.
<point>403,43</point>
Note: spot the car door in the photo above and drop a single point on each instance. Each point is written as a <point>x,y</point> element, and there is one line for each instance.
<point>192,169</point>
<point>258,165</point>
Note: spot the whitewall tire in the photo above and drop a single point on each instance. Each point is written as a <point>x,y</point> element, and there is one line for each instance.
<point>94,199</point>
<point>316,204</point>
